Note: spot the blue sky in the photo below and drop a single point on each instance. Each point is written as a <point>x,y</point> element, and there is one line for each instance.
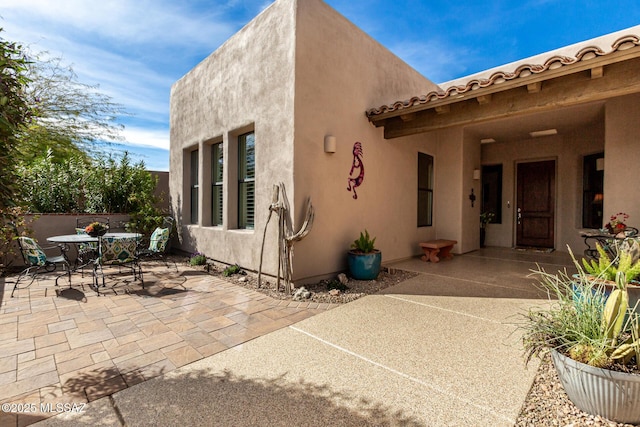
<point>136,49</point>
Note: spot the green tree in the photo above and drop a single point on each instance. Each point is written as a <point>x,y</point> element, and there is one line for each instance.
<point>16,112</point>
<point>13,224</point>
<point>102,185</point>
<point>72,116</point>
<point>121,187</point>
<point>50,185</point>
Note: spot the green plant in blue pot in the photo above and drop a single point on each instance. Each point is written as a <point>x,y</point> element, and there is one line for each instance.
<point>364,259</point>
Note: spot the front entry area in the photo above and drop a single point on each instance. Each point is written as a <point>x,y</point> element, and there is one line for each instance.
<point>535,208</point>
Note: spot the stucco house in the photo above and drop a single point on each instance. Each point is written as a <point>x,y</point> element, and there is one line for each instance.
<point>300,95</point>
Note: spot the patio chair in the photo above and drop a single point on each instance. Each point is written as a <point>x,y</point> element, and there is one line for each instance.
<point>168,222</point>
<point>159,244</point>
<point>88,251</point>
<point>36,260</point>
<point>120,252</point>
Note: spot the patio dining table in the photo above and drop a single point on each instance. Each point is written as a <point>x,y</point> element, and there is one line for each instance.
<point>65,240</point>
<point>77,239</point>
<point>85,238</point>
<point>606,240</point>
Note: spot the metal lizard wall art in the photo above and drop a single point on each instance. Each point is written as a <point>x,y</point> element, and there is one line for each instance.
<point>357,164</point>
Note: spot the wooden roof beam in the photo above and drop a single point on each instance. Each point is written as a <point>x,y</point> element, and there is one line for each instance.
<point>534,87</point>
<point>621,79</point>
<point>443,109</point>
<point>597,72</point>
<point>484,99</point>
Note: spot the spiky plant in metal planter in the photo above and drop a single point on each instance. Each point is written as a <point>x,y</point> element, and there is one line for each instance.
<point>594,339</point>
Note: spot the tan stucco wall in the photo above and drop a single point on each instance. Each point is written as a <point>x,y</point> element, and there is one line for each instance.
<point>568,151</point>
<point>340,72</point>
<point>301,71</point>
<point>305,50</point>
<point>622,158</point>
<point>470,216</point>
<point>162,190</point>
<point>246,84</point>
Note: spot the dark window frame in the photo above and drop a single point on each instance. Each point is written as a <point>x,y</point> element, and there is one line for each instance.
<point>492,191</point>
<point>246,181</point>
<point>194,186</point>
<point>592,191</point>
<point>217,183</point>
<point>425,190</point>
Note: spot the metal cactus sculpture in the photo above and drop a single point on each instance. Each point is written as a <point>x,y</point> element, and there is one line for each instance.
<point>286,236</point>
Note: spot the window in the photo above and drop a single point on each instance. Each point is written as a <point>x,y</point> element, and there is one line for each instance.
<point>425,190</point>
<point>246,180</point>
<point>194,186</point>
<point>492,191</point>
<point>592,190</point>
<point>217,158</point>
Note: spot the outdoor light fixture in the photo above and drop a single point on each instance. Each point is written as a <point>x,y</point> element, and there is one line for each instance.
<point>329,144</point>
<point>476,174</point>
<point>487,140</point>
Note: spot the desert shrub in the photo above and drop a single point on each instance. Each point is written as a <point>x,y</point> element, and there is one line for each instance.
<point>197,259</point>
<point>12,224</point>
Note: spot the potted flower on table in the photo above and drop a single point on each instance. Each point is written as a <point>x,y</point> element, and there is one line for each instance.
<point>96,229</point>
<point>616,223</point>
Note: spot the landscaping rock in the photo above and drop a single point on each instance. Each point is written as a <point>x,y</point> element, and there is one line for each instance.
<point>319,291</point>
<point>343,278</point>
<point>301,294</point>
<point>548,405</point>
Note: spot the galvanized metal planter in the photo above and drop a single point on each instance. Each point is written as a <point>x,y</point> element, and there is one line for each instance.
<point>610,394</point>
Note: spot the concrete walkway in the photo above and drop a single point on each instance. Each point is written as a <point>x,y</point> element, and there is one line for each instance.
<point>437,350</point>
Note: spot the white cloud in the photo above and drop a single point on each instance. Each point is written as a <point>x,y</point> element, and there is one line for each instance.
<point>142,21</point>
<point>133,50</point>
<point>158,138</point>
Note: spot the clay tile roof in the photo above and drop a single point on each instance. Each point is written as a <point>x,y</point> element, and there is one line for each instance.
<point>568,55</point>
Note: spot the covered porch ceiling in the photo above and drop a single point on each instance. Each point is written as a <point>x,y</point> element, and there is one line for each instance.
<point>562,97</point>
<point>563,120</point>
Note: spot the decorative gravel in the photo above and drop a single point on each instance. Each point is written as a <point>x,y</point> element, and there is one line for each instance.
<point>548,405</point>
<point>320,292</point>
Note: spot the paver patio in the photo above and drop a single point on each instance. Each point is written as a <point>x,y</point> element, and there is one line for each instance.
<point>68,345</point>
<point>439,349</point>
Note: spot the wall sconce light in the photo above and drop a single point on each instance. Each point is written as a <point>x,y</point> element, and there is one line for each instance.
<point>476,174</point>
<point>598,198</point>
<point>329,144</point>
<point>600,164</point>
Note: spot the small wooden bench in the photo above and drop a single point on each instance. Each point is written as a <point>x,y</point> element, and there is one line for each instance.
<point>436,249</point>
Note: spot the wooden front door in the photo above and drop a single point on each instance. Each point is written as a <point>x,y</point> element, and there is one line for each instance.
<point>535,209</point>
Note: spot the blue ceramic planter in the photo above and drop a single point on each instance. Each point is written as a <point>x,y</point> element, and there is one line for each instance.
<point>633,290</point>
<point>364,266</point>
